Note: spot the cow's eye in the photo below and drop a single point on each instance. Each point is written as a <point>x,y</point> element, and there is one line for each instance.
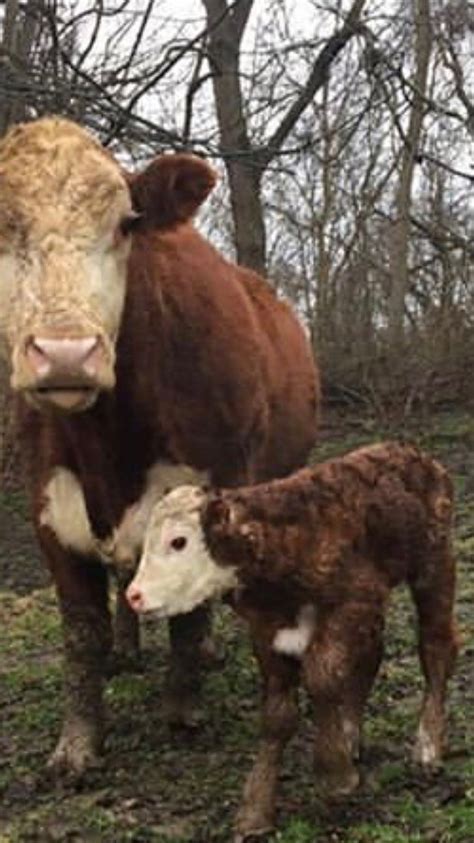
<point>129,223</point>
<point>179,543</point>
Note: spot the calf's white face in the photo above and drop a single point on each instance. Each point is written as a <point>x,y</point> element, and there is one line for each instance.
<point>176,571</point>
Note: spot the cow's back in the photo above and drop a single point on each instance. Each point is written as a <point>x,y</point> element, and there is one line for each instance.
<point>291,380</point>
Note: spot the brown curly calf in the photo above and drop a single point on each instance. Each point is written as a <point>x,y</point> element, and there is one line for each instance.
<point>314,558</point>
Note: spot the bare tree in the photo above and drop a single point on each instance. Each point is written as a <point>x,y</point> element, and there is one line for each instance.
<point>245,162</point>
<point>399,269</point>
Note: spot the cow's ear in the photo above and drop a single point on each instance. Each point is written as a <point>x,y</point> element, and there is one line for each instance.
<point>170,189</point>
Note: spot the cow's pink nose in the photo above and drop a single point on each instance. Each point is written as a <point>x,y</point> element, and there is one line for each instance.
<point>48,356</point>
<point>135,597</point>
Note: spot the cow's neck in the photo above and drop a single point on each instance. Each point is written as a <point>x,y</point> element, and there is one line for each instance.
<point>89,440</point>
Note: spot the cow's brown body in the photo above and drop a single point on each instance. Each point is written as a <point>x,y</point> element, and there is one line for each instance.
<point>211,372</point>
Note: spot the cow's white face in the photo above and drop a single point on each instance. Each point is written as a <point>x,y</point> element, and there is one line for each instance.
<point>65,210</point>
<point>63,260</point>
<point>176,572</point>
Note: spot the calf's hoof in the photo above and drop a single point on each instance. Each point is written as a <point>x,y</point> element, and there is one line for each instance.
<point>76,753</point>
<point>183,713</point>
<point>336,785</point>
<point>251,823</point>
<point>427,752</point>
<point>211,653</point>
<point>251,827</point>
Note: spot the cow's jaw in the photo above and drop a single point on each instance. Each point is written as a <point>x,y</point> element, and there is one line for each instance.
<point>63,399</point>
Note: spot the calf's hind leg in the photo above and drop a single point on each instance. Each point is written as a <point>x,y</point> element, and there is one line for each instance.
<point>279,720</point>
<point>339,668</point>
<point>438,647</point>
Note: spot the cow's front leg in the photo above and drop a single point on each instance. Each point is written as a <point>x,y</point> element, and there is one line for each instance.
<point>81,585</point>
<point>189,640</point>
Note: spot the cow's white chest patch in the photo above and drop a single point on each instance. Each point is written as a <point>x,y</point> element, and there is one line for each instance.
<point>294,640</point>
<point>161,478</point>
<point>65,513</point>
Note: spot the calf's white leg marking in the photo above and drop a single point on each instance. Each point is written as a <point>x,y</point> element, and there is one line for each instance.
<point>426,752</point>
<point>294,640</point>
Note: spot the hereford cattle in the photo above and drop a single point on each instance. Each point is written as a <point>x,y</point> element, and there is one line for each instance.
<point>311,560</point>
<point>141,358</point>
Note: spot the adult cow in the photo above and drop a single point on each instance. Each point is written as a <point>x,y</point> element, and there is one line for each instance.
<point>140,357</point>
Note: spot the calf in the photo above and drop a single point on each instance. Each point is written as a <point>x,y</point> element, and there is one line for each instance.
<point>311,561</point>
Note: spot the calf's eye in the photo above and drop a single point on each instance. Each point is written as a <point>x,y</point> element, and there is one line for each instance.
<point>179,543</point>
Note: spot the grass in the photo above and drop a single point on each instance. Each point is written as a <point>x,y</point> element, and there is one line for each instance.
<point>162,787</point>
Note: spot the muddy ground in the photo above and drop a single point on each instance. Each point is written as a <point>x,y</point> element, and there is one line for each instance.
<point>168,787</point>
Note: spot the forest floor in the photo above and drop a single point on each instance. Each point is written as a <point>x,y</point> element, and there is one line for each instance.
<point>160,786</point>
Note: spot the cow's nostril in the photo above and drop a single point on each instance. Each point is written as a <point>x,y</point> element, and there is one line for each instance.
<point>93,358</point>
<point>135,598</point>
<point>47,355</point>
<point>37,358</point>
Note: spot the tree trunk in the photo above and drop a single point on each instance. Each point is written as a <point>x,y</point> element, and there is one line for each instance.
<point>18,35</point>
<point>399,270</point>
<point>226,31</point>
<point>245,164</point>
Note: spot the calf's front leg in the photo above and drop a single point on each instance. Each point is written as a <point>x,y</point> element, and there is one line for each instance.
<point>189,636</point>
<point>82,589</point>
<point>279,721</point>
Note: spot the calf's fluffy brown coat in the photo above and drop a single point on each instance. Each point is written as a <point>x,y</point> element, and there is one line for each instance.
<point>323,549</point>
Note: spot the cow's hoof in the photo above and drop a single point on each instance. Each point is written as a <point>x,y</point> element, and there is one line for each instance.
<point>76,753</point>
<point>127,661</point>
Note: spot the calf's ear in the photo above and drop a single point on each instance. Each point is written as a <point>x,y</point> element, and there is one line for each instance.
<point>220,512</point>
<point>170,190</point>
<point>252,532</point>
<point>217,511</point>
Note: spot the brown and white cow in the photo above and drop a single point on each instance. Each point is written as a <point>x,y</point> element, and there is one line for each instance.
<point>141,358</point>
<point>311,560</point>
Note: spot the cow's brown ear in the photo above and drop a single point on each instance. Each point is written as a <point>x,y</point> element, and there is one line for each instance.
<point>170,189</point>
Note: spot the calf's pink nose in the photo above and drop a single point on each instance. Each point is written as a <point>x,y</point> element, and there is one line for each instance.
<point>47,355</point>
<point>135,597</point>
